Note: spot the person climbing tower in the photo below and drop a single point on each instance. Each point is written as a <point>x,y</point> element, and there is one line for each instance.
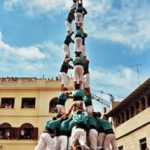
<point>66,44</point>
<point>88,103</point>
<point>78,39</point>
<point>69,20</point>
<point>78,68</point>
<point>80,13</point>
<point>62,98</point>
<point>86,74</point>
<point>83,44</point>
<point>63,72</point>
<point>75,4</point>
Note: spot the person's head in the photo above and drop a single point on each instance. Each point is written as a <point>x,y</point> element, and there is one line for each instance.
<point>80,3</point>
<point>77,53</point>
<point>50,131</point>
<point>77,86</point>
<point>66,56</point>
<point>95,114</point>
<point>79,111</point>
<point>54,118</point>
<point>65,118</point>
<point>70,33</point>
<point>87,92</point>
<point>99,114</point>
<point>58,116</point>
<point>72,10</point>
<point>78,27</point>
<point>67,94</point>
<point>105,117</point>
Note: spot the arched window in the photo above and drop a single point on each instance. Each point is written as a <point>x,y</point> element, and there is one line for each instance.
<point>52,105</point>
<point>6,131</point>
<point>26,131</point>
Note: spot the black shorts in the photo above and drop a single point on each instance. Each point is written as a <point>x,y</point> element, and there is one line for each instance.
<point>109,131</point>
<point>78,35</point>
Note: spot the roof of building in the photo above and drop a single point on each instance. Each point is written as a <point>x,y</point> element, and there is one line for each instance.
<point>142,89</point>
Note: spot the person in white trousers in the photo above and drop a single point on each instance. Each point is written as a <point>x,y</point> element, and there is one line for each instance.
<point>78,39</point>
<point>83,44</point>
<point>79,130</point>
<point>101,132</point>
<point>46,141</point>
<point>92,128</point>
<point>64,134</point>
<point>110,135</point>
<point>62,98</point>
<point>80,13</point>
<point>69,20</point>
<point>88,103</point>
<point>78,69</point>
<point>86,75</point>
<point>66,44</point>
<point>63,72</point>
<point>75,4</point>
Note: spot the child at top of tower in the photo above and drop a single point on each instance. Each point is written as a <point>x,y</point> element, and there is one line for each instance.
<point>63,72</point>
<point>75,4</point>
<point>67,42</point>
<point>80,13</point>
<point>69,20</point>
<point>80,8</point>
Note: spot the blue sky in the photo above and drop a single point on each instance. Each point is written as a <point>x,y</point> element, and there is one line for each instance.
<point>32,33</point>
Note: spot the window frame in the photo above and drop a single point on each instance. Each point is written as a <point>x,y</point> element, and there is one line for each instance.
<point>142,142</point>
<point>11,102</point>
<point>23,99</point>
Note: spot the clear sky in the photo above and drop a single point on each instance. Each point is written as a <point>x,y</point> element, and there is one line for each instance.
<point>32,33</point>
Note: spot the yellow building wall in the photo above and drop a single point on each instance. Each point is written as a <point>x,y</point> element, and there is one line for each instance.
<point>43,91</point>
<point>133,123</point>
<point>131,140</point>
<point>17,145</point>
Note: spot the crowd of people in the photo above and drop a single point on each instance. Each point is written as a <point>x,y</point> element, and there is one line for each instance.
<point>79,127</point>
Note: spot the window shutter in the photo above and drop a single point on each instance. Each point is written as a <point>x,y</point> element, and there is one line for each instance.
<point>16,133</point>
<point>35,134</point>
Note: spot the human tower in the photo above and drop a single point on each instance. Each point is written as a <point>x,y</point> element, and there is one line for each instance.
<point>79,127</point>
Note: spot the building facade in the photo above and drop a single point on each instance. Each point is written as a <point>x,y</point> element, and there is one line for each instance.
<point>26,104</point>
<point>131,119</point>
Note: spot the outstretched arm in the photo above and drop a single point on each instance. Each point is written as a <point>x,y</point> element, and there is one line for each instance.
<point>70,110</point>
<point>70,67</point>
<point>85,11</point>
